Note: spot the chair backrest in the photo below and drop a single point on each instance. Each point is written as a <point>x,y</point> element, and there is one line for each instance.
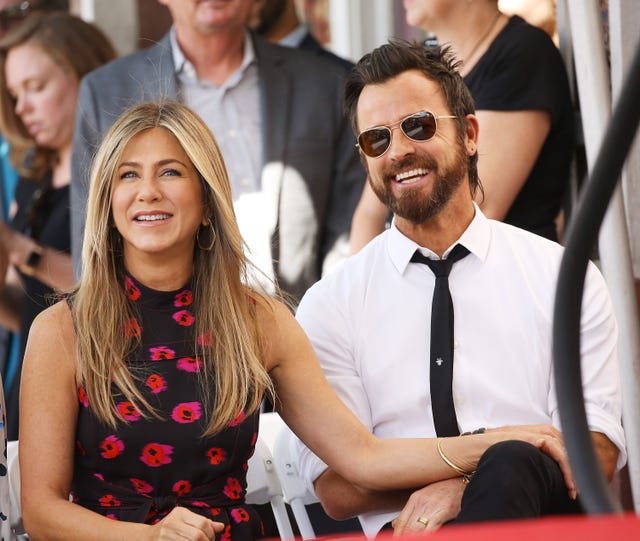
<point>263,486</point>
<point>294,487</point>
<point>15,510</point>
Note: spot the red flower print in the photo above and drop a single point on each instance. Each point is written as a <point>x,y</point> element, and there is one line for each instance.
<point>215,511</point>
<point>226,535</point>
<point>99,476</point>
<point>128,411</point>
<point>181,487</point>
<point>204,339</point>
<point>132,291</point>
<point>254,439</point>
<point>184,318</point>
<point>240,515</point>
<point>82,397</point>
<point>187,412</point>
<point>111,447</point>
<point>184,298</point>
<point>111,516</point>
<point>156,454</point>
<point>156,383</point>
<point>132,328</point>
<point>216,455</point>
<point>189,364</point>
<point>241,417</point>
<point>161,353</point>
<point>109,500</point>
<point>80,448</point>
<point>142,487</point>
<point>198,503</point>
<point>232,489</point>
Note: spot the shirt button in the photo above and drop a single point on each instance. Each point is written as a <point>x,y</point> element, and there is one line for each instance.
<point>455,344</point>
<point>232,133</point>
<point>244,182</point>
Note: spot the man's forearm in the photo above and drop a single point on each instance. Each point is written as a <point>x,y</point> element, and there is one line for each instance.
<point>607,453</point>
<point>342,500</point>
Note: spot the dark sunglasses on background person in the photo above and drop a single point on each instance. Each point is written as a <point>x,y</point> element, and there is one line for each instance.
<point>420,126</point>
<point>14,13</point>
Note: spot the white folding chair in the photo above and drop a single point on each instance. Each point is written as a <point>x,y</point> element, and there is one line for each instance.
<point>263,486</point>
<point>294,488</point>
<point>15,511</point>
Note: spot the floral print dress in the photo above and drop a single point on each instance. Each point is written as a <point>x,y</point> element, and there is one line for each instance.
<point>143,469</point>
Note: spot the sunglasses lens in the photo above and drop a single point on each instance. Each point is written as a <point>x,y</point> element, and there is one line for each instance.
<point>419,127</point>
<point>375,142</point>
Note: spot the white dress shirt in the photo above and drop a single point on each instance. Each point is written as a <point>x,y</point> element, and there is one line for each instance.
<point>369,323</point>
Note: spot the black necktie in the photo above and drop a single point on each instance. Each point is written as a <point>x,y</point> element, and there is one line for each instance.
<point>441,365</point>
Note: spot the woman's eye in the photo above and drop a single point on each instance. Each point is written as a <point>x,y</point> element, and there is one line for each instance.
<point>128,174</point>
<point>170,173</point>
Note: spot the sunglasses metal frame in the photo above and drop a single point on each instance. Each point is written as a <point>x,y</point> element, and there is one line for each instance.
<point>397,125</point>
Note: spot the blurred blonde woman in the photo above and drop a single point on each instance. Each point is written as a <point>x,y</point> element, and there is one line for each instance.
<point>41,63</point>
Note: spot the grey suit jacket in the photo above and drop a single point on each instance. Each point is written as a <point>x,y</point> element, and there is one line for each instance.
<point>311,168</point>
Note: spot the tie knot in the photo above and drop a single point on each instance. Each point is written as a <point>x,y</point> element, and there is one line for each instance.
<point>441,267</point>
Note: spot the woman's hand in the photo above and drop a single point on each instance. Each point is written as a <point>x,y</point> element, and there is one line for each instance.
<point>181,524</point>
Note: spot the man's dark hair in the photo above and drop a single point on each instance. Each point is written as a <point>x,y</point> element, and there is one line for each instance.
<point>437,64</point>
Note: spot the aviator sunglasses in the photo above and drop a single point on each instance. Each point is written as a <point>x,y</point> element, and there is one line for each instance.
<point>420,126</point>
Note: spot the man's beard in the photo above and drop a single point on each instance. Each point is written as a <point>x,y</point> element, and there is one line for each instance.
<point>412,205</point>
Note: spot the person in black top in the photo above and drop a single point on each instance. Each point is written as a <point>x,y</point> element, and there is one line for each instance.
<point>522,98</point>
<point>41,63</point>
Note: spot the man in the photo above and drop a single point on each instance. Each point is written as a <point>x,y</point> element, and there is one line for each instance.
<point>276,114</point>
<point>372,327</point>
<point>277,21</point>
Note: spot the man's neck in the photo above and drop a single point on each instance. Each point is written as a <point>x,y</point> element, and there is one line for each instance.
<point>441,231</point>
<point>216,56</point>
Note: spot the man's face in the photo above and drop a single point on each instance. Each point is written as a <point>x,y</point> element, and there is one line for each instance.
<point>206,17</point>
<point>415,179</point>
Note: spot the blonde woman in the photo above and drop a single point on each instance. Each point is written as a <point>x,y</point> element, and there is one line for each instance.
<point>141,391</point>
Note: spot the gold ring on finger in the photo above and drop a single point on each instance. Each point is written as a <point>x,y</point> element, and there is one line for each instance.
<point>423,520</point>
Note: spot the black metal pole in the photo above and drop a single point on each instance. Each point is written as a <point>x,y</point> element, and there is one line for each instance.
<point>581,238</point>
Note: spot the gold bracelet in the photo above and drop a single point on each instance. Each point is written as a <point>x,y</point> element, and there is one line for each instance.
<point>466,475</point>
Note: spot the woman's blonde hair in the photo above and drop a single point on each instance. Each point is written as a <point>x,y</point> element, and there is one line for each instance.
<point>225,307</point>
<point>75,45</point>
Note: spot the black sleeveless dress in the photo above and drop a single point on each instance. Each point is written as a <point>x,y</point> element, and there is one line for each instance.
<point>142,470</point>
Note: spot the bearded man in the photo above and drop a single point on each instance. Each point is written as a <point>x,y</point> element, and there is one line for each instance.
<point>383,324</point>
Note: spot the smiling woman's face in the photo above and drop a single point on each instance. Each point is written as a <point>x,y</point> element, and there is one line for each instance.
<point>157,202</point>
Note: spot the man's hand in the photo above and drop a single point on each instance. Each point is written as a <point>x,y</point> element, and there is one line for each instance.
<point>430,507</point>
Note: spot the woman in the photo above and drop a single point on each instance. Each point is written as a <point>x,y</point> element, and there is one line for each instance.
<point>142,389</point>
<point>519,84</point>
<point>41,63</point>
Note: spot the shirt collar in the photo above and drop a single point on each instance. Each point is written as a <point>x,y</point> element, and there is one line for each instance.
<point>295,37</point>
<point>184,67</point>
<point>475,238</point>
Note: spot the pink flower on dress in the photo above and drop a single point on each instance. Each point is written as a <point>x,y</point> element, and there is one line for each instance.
<point>161,353</point>
<point>241,417</point>
<point>189,364</point>
<point>142,487</point>
<point>109,500</point>
<point>232,489</point>
<point>156,383</point>
<point>156,454</point>
<point>187,412</point>
<point>128,411</point>
<point>181,487</point>
<point>111,447</point>
<point>82,397</point>
<point>216,455</point>
<point>132,328</point>
<point>240,515</point>
<point>131,289</point>
<point>184,298</point>
<point>184,318</point>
